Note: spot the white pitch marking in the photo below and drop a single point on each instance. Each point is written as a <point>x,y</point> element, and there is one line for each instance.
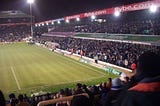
<point>15,78</point>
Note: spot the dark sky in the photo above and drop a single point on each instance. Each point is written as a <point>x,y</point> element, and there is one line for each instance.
<point>52,9</point>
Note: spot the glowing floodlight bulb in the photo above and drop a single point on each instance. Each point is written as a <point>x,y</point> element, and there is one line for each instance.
<point>117,13</point>
<point>67,21</point>
<point>30,1</point>
<point>77,19</point>
<point>93,17</point>
<point>153,8</point>
<point>58,22</point>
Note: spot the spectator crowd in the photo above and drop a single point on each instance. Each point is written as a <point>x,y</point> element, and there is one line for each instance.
<point>14,33</point>
<point>118,53</point>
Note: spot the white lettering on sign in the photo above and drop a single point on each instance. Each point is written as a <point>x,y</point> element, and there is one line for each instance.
<point>137,6</point>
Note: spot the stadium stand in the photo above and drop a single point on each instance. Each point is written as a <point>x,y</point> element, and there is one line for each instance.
<point>14,33</point>
<point>127,24</point>
<point>118,53</point>
<point>14,26</point>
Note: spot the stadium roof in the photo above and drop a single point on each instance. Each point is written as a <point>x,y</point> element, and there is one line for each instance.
<point>53,9</point>
<point>122,8</point>
<point>13,14</point>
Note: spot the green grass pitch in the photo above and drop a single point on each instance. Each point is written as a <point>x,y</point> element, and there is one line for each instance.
<point>25,67</point>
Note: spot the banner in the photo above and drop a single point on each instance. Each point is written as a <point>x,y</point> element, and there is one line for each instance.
<point>111,70</point>
<point>84,61</point>
<point>124,8</point>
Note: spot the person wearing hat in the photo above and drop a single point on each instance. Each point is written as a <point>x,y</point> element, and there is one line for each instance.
<point>113,94</point>
<point>147,91</point>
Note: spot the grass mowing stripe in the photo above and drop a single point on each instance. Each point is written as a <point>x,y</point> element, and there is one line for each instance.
<point>79,64</point>
<point>61,83</point>
<point>42,69</point>
<point>15,78</point>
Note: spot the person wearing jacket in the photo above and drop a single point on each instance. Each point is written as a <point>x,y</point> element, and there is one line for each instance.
<point>147,91</point>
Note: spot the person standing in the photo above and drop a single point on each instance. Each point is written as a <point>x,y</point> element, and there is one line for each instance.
<point>147,91</point>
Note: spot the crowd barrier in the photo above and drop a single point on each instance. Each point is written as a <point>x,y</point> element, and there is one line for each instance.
<point>53,101</point>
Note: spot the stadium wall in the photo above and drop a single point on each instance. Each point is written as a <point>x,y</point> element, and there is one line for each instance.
<point>102,65</point>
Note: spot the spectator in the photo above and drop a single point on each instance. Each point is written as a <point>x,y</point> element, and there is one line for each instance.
<point>147,91</point>
<point>21,101</point>
<point>109,83</point>
<point>61,95</point>
<point>2,100</point>
<point>113,94</point>
<point>67,92</point>
<point>80,101</point>
<point>91,95</point>
<point>14,33</point>
<point>13,101</point>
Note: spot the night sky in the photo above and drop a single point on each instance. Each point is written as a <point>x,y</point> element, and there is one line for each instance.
<point>53,9</point>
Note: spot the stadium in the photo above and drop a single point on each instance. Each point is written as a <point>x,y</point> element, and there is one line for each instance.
<point>93,56</point>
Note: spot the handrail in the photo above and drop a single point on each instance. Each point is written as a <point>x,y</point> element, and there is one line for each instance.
<point>52,101</point>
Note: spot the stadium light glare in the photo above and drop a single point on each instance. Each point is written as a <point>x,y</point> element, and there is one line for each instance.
<point>42,24</point>
<point>153,8</point>
<point>47,23</point>
<point>117,13</point>
<point>52,22</point>
<point>30,1</point>
<point>67,21</point>
<point>77,19</point>
<point>39,24</point>
<point>93,17</point>
<point>36,25</point>
<point>58,22</point>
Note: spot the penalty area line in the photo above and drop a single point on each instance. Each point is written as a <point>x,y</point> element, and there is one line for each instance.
<point>13,72</point>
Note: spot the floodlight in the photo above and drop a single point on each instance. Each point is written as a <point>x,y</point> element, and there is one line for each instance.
<point>100,20</point>
<point>36,25</point>
<point>117,13</point>
<point>58,22</point>
<point>93,17</point>
<point>67,21</point>
<point>52,22</point>
<point>30,1</point>
<point>153,8</point>
<point>47,23</point>
<point>77,19</point>
<point>42,24</point>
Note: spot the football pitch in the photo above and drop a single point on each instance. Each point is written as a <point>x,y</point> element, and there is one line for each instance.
<point>25,67</point>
